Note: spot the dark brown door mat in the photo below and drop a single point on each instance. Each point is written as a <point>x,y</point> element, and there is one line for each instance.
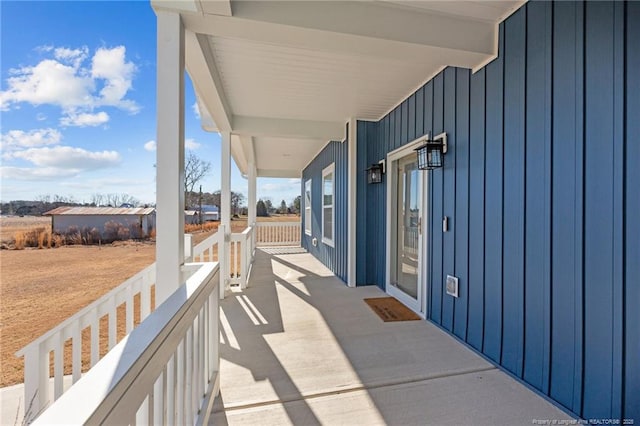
<point>390,309</point>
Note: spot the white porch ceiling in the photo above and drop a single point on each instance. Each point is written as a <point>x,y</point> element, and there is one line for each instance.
<point>285,76</point>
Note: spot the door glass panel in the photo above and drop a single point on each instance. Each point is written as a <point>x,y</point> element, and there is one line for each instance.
<point>407,217</point>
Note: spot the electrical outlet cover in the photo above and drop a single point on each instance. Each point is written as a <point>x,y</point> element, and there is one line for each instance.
<point>452,286</point>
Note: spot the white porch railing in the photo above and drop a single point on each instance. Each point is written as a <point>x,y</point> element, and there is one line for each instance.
<point>36,354</point>
<point>207,250</point>
<point>278,233</point>
<point>37,395</point>
<point>241,257</point>
<point>164,372</point>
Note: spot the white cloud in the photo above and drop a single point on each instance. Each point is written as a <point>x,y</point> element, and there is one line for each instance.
<point>63,80</point>
<point>35,174</point>
<point>70,158</point>
<point>85,119</point>
<point>19,139</point>
<point>196,109</point>
<point>111,65</point>
<point>150,146</point>
<point>41,117</point>
<point>49,82</point>
<point>191,144</point>
<point>72,56</point>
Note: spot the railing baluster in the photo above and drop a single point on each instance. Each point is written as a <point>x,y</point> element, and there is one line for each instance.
<point>145,298</point>
<point>142,415</point>
<point>180,384</point>
<point>113,323</point>
<point>58,365</point>
<point>129,310</point>
<point>151,406</point>
<point>95,338</point>
<point>172,387</point>
<point>36,379</point>
<point>202,376</point>
<point>76,352</point>
<point>188,383</point>
<point>160,398</point>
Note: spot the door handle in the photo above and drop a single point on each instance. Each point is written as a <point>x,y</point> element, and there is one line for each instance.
<point>419,226</point>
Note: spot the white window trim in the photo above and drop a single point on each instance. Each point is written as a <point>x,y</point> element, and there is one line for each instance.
<point>330,169</point>
<point>307,219</point>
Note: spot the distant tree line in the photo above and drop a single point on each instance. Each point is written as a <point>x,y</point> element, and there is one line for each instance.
<point>193,200</point>
<point>44,203</point>
<point>264,207</point>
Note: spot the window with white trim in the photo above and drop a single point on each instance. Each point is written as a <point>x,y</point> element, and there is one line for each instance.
<point>328,185</point>
<point>307,207</point>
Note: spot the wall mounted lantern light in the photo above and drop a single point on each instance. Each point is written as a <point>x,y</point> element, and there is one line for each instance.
<point>375,172</point>
<point>431,154</point>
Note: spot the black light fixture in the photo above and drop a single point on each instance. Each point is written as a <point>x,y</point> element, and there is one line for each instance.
<point>374,173</point>
<point>431,154</point>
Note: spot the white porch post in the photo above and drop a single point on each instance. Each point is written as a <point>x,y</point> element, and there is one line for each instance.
<point>170,155</point>
<point>352,187</point>
<point>225,211</point>
<point>252,202</point>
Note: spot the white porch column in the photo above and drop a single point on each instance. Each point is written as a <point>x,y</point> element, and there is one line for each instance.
<point>352,186</point>
<point>170,155</point>
<point>251,220</point>
<point>252,193</point>
<point>225,210</point>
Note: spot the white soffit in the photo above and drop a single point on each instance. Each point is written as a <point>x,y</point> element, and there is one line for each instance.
<point>285,157</point>
<point>277,69</point>
<point>264,80</point>
<point>484,10</point>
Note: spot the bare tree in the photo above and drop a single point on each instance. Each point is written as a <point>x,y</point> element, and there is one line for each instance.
<point>97,199</point>
<point>194,170</point>
<point>45,199</point>
<point>237,200</point>
<point>115,200</point>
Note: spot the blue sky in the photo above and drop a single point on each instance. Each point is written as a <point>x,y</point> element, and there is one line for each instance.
<point>78,104</point>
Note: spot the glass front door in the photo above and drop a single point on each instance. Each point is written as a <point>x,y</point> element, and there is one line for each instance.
<point>406,239</point>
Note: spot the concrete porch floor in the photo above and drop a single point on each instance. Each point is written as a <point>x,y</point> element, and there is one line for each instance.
<point>299,347</point>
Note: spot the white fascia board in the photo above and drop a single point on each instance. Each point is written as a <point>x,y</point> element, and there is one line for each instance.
<point>274,173</point>
<point>215,7</point>
<point>247,148</point>
<point>177,5</point>
<point>206,80</point>
<point>288,128</point>
<point>367,44</point>
<point>372,20</point>
<point>238,154</point>
<point>496,37</point>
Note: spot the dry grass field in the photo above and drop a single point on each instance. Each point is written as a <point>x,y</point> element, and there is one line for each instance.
<point>40,288</point>
<point>11,225</point>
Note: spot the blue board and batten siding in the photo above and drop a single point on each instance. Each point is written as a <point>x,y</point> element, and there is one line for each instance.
<point>335,258</point>
<point>541,190</point>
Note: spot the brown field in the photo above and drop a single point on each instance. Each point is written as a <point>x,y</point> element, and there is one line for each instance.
<point>41,288</point>
<point>10,225</point>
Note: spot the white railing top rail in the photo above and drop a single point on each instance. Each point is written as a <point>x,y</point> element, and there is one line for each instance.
<point>210,241</point>
<point>276,224</point>
<point>116,386</point>
<point>241,236</point>
<point>89,309</point>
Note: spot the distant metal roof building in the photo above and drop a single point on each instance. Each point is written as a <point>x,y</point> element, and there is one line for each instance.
<point>86,211</point>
